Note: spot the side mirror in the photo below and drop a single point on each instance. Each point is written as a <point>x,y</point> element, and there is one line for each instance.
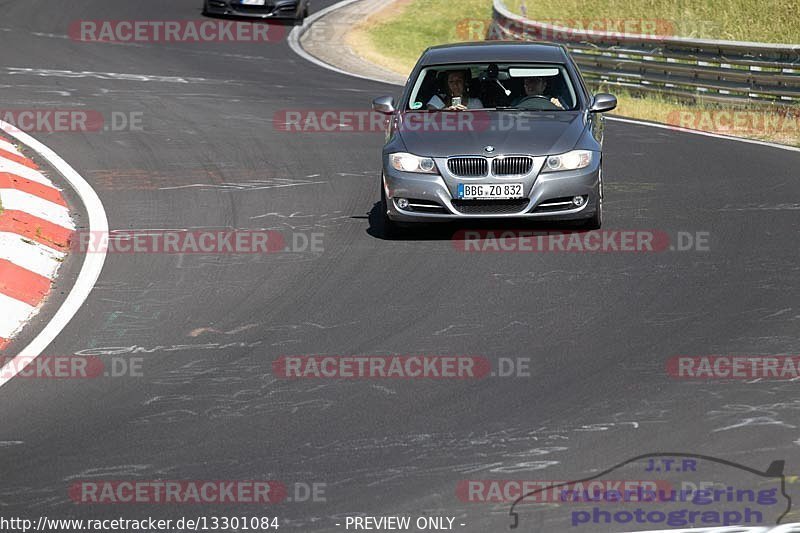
<point>383,104</point>
<point>603,102</point>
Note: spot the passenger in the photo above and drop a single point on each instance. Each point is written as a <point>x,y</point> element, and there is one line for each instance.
<point>456,87</point>
<point>536,86</point>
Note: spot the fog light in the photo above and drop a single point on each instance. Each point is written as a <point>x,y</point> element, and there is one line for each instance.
<point>402,203</point>
<point>578,201</point>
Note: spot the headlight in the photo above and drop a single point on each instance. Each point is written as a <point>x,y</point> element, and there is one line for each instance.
<point>412,163</point>
<point>570,161</point>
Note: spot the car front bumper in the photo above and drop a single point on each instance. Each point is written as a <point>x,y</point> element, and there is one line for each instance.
<point>540,190</point>
<point>270,10</point>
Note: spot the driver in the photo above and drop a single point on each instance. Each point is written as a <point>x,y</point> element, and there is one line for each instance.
<point>456,86</point>
<point>535,86</point>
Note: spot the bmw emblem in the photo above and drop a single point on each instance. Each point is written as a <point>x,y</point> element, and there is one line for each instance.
<point>489,149</point>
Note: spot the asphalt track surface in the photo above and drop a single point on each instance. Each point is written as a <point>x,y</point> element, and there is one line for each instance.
<point>597,328</point>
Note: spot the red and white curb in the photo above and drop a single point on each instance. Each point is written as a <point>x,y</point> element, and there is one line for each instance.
<point>52,238</point>
<point>35,231</point>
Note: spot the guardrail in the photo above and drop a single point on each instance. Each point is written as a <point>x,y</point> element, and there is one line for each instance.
<point>697,69</point>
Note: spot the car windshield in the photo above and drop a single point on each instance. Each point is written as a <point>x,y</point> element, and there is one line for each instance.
<point>511,86</point>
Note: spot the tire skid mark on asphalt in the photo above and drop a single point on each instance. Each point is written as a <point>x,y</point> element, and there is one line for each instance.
<point>243,179</point>
<point>172,49</point>
<point>114,76</point>
<point>298,221</point>
<point>133,311</point>
<point>277,183</point>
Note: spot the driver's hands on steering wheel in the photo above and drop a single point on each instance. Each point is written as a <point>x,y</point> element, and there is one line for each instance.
<point>553,101</point>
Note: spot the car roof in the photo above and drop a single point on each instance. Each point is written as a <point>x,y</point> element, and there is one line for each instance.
<point>494,52</point>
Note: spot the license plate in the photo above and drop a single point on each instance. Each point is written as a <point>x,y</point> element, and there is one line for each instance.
<point>489,191</point>
<point>254,2</point>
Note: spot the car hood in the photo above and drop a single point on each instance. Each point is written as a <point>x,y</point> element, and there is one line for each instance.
<point>452,133</point>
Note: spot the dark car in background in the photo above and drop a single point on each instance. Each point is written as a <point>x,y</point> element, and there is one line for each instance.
<point>296,10</point>
<point>493,130</point>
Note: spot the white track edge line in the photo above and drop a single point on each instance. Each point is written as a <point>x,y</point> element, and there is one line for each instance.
<point>92,263</point>
<point>297,32</point>
<point>705,133</point>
